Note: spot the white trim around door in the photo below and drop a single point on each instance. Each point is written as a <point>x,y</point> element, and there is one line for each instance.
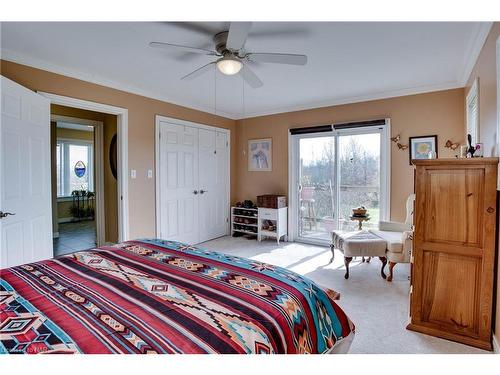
<point>497,146</point>
<point>122,143</point>
<point>175,121</point>
<point>293,172</point>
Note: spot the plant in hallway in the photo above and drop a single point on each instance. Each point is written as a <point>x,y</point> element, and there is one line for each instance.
<point>83,205</point>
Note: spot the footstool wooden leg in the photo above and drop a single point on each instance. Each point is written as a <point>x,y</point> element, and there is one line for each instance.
<point>347,260</point>
<point>391,266</point>
<point>332,248</point>
<point>384,262</point>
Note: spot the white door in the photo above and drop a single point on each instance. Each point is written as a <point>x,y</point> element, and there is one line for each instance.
<point>25,188</point>
<point>222,188</point>
<point>213,184</point>
<point>207,183</point>
<point>178,183</point>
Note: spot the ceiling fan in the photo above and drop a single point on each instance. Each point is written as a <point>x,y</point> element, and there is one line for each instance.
<point>229,47</point>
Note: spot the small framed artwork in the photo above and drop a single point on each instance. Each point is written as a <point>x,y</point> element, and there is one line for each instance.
<point>424,147</point>
<point>260,153</point>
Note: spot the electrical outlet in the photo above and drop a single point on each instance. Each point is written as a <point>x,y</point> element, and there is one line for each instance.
<point>133,173</point>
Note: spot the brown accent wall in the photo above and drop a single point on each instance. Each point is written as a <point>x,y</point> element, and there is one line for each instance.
<point>141,117</point>
<point>75,134</point>
<point>485,68</point>
<point>440,113</point>
<point>110,183</point>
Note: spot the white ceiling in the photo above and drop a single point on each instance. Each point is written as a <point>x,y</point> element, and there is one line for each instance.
<point>347,62</point>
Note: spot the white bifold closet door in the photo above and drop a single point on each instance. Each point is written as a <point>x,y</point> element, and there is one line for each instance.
<point>193,179</point>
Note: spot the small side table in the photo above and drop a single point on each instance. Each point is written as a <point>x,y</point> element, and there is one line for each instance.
<point>360,220</point>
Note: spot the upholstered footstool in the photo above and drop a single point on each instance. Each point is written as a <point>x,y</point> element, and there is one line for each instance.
<point>360,243</point>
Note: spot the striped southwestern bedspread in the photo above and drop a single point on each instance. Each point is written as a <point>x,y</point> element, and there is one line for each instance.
<point>154,296</point>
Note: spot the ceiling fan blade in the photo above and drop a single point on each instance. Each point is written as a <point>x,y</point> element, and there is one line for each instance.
<point>179,47</point>
<point>278,58</point>
<point>238,32</point>
<point>250,77</point>
<point>204,28</point>
<point>288,34</point>
<point>198,72</point>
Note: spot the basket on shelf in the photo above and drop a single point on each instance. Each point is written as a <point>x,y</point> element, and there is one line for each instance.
<point>271,201</point>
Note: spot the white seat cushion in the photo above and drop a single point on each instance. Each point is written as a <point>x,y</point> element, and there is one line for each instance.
<point>394,240</point>
<point>359,243</point>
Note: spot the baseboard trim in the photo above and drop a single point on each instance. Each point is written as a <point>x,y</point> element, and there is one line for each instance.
<point>496,346</point>
<point>71,219</point>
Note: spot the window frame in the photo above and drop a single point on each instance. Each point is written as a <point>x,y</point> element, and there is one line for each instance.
<point>294,175</point>
<point>63,173</point>
<point>472,112</point>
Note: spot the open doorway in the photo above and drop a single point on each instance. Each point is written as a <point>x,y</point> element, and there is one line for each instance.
<point>84,186</point>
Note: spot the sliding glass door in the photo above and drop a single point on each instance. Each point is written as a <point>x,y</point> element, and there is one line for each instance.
<point>316,196</point>
<point>334,172</point>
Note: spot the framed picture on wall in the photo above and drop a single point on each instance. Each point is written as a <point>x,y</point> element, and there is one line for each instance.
<point>424,147</point>
<point>260,155</point>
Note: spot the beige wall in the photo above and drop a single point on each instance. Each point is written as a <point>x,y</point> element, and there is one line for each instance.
<point>141,117</point>
<point>440,113</point>
<point>75,134</point>
<point>485,69</point>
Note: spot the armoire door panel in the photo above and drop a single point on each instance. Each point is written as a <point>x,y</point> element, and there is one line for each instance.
<point>450,294</point>
<point>454,193</point>
<point>454,249</point>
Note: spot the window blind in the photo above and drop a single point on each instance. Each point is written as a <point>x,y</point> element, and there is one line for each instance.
<point>328,128</point>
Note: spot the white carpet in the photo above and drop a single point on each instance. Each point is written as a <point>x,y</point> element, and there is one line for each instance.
<point>379,309</point>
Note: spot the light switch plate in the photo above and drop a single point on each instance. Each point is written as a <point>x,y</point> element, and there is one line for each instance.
<point>133,173</point>
<point>150,173</point>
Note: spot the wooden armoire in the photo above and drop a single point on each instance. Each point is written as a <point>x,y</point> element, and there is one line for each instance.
<point>453,255</point>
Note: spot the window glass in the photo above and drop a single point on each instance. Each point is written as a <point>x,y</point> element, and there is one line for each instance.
<point>74,166</point>
<point>79,171</point>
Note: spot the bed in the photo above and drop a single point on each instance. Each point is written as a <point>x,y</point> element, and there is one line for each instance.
<point>155,296</point>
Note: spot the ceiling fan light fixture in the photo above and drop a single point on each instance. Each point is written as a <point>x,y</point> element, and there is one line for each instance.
<point>229,65</point>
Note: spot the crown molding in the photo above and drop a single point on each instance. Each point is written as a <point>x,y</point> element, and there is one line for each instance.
<point>15,57</point>
<point>473,50</point>
<point>357,99</point>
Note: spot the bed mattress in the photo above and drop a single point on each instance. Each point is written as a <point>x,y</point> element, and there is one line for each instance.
<point>155,296</point>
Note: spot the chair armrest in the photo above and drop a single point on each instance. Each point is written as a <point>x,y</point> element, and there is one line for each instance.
<point>407,245</point>
<point>393,226</point>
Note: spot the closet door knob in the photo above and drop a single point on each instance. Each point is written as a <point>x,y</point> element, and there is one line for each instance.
<point>195,192</point>
<point>203,191</point>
